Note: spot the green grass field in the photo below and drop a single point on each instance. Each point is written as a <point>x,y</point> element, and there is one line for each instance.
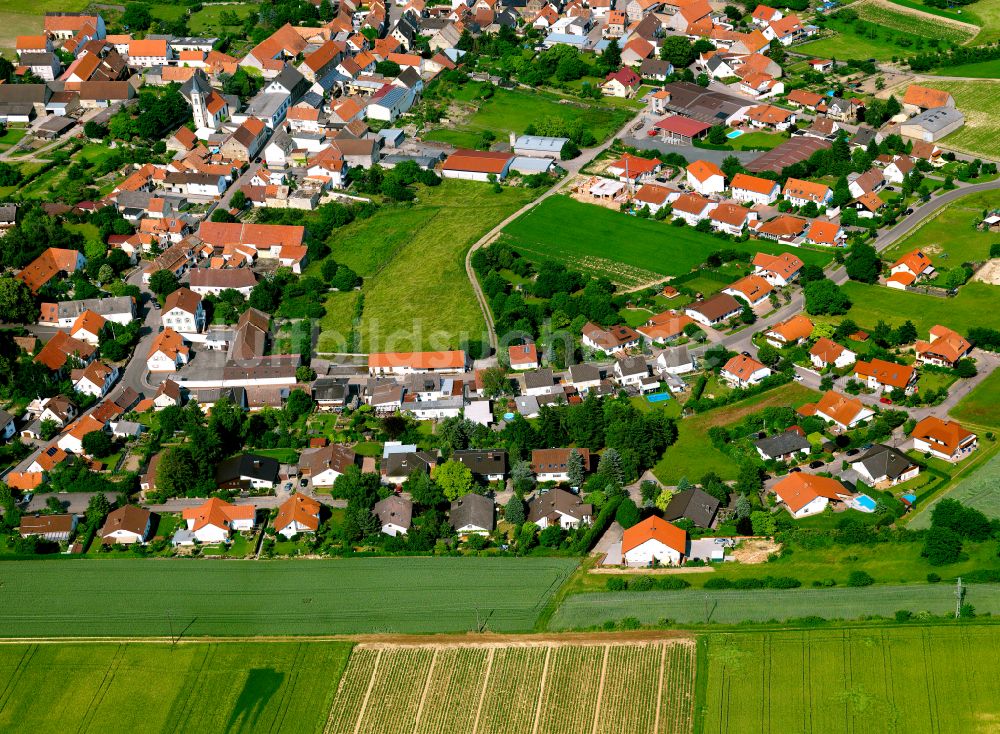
<point>580,611</point>
<point>898,679</point>
<point>980,490</point>
<point>221,687</point>
<point>512,110</point>
<point>980,70</point>
<point>206,20</point>
<point>417,293</point>
<point>951,238</point>
<point>628,250</point>
<point>977,101</point>
<point>337,323</point>
<point>912,24</point>
<point>979,407</point>
<point>872,302</point>
<point>985,14</point>
<point>847,43</point>
<point>542,687</point>
<point>693,455</point>
<point>132,597</point>
<point>18,18</point>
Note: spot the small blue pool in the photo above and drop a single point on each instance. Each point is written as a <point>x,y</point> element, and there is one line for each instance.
<point>658,397</point>
<point>508,416</point>
<point>734,134</point>
<point>909,498</point>
<point>864,502</point>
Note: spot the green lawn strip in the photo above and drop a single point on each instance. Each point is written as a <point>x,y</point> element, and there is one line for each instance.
<point>338,321</point>
<point>914,5</point>
<point>985,14</point>
<point>981,70</point>
<point>870,303</point>
<point>693,455</point>
<point>876,669</point>
<point>68,597</point>
<point>581,611</point>
<point>422,298</point>
<point>950,237</point>
<point>232,686</point>
<point>208,18</point>
<point>626,249</point>
<point>847,44</point>
<point>979,407</point>
<point>285,456</point>
<point>512,110</point>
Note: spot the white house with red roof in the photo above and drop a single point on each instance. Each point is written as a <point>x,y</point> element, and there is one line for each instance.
<point>621,83</point>
<point>215,521</point>
<point>477,165</point>
<point>654,540</point>
<point>706,178</point>
<point>744,371</point>
<point>632,169</point>
<point>523,357</point>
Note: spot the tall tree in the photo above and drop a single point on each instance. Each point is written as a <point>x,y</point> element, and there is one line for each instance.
<point>574,468</point>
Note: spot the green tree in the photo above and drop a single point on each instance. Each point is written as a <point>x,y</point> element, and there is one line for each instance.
<point>942,546</point>
<point>163,283</point>
<point>863,263</point>
<point>97,444</point>
<point>627,513</point>
<point>610,59</point>
<point>678,51</point>
<point>717,136</point>
<point>611,466</point>
<point>522,477</point>
<point>454,478</point>
<point>514,511</point>
<point>496,382</point>
<point>825,297</point>
<point>762,522</point>
<point>663,499</point>
<point>17,304</point>
<point>552,536</point>
<point>238,200</point>
<point>97,509</point>
<point>743,507</point>
<point>298,404</point>
<point>137,17</point>
<point>575,468</point>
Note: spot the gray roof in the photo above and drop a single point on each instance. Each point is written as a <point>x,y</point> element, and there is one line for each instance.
<point>472,509</point>
<point>100,306</point>
<point>676,357</point>
<point>584,373</point>
<point>40,58</point>
<point>395,510</point>
<point>936,119</point>
<point>695,504</point>
<point>782,443</point>
<point>540,143</point>
<point>247,465</point>
<point>539,378</point>
<point>884,461</point>
<point>391,98</point>
<point>558,500</point>
<point>526,404</point>
<point>635,365</point>
<point>482,463</point>
<point>403,464</point>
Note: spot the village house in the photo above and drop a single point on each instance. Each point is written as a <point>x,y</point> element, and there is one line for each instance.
<point>559,507</point>
<point>753,289</point>
<point>753,189</point>
<point>127,525</point>
<point>403,363</point>
<point>943,439</point>
<point>654,541</point>
<point>706,178</point>
<point>692,208</point>
<point>395,515</point>
<point>807,494</point>
<point>94,379</point>
<point>743,371</point>
<point>665,327</point>
<point>787,446</point>
<point>214,522</point>
<point>552,465</point>
<point>789,332</point>
<point>800,192</point>
<point>211,281</point>
<point>53,528</point>
<point>612,339</point>
<point>487,465</point>
<point>908,269</point>
<point>631,371</point>
<point>622,83</point>
<point>827,353</point>
<point>168,352</point>
<point>712,311</point>
<point>631,169</point>
<point>298,514</point>
<point>523,357</point>
<point>840,410</point>
<point>881,375</point>
<point>472,514</point>
<point>540,382</point>
<point>247,471</point>
<point>883,466</point>
<point>826,234</point>
<point>769,117</point>
<point>944,348</point>
<point>731,218</point>
<point>323,465</point>
<point>778,270</point>
<point>477,165</point>
<point>183,311</point>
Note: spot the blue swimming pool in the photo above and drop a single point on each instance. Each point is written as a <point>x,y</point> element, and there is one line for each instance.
<point>910,498</point>
<point>658,397</point>
<point>734,134</point>
<point>508,416</point>
<point>865,502</point>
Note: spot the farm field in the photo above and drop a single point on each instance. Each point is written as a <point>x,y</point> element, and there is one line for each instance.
<point>914,24</point>
<point>206,20</point>
<point>897,679</point>
<point>585,611</point>
<point>337,323</point>
<point>417,294</point>
<point>512,110</point>
<point>693,455</point>
<point>979,407</point>
<point>225,687</point>
<point>980,490</point>
<point>544,687</point>
<point>847,43</point>
<point>73,598</point>
<point>986,15</point>
<point>977,101</point>
<point>980,70</point>
<point>628,250</point>
<point>951,237</point>
<point>873,302</point>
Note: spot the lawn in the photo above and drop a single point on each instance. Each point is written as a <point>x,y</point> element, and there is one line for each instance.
<point>337,324</point>
<point>79,597</point>
<point>693,455</point>
<point>980,490</point>
<point>224,687</point>
<point>628,250</point>
<point>206,20</point>
<point>977,101</point>
<point>417,293</point>
<point>986,15</point>
<point>583,611</point>
<point>545,687</point>
<point>847,43</point>
<point>980,70</point>
<point>285,456</point>
<point>512,110</point>
<point>979,407</point>
<point>873,302</point>
<point>891,679</point>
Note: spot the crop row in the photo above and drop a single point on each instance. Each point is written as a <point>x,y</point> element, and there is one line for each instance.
<point>395,697</point>
<point>512,690</point>
<point>908,23</point>
<point>354,685</point>
<point>453,691</point>
<point>571,688</point>
<point>677,704</point>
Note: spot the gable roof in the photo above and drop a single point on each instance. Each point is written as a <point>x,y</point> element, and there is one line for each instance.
<point>793,329</point>
<point>298,508</point>
<point>755,184</point>
<point>477,161</point>
<point>945,434</point>
<point>703,170</point>
<point>785,265</point>
<point>944,342</point>
<point>658,529</point>
<point>184,299</point>
<point>886,373</point>
<point>129,518</point>
<point>840,408</point>
<point>827,350</point>
<point>799,489</point>
<point>884,461</point>
<point>808,190</point>
<point>558,501</point>
<point>743,367</point>
<point>695,504</point>
<point>925,97</point>
<point>472,509</point>
<point>217,513</point>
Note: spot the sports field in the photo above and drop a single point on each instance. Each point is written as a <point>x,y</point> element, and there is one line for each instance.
<point>977,101</point>
<point>417,293</point>
<point>543,688</point>
<point>512,110</point>
<point>581,611</point>
<point>628,250</point>
<point>950,237</point>
<point>902,679</point>
<point>873,302</point>
<point>73,598</point>
<point>228,687</point>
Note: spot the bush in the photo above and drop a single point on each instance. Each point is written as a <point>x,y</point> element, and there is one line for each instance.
<point>616,583</point>
<point>641,583</point>
<point>933,578</point>
<point>904,615</point>
<point>718,583</point>
<point>859,578</point>
<point>672,583</point>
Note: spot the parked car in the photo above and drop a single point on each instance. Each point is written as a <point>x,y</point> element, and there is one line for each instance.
<point>815,464</point>
<point>303,482</point>
<point>794,469</point>
<point>885,401</point>
<point>853,452</point>
<point>288,486</point>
